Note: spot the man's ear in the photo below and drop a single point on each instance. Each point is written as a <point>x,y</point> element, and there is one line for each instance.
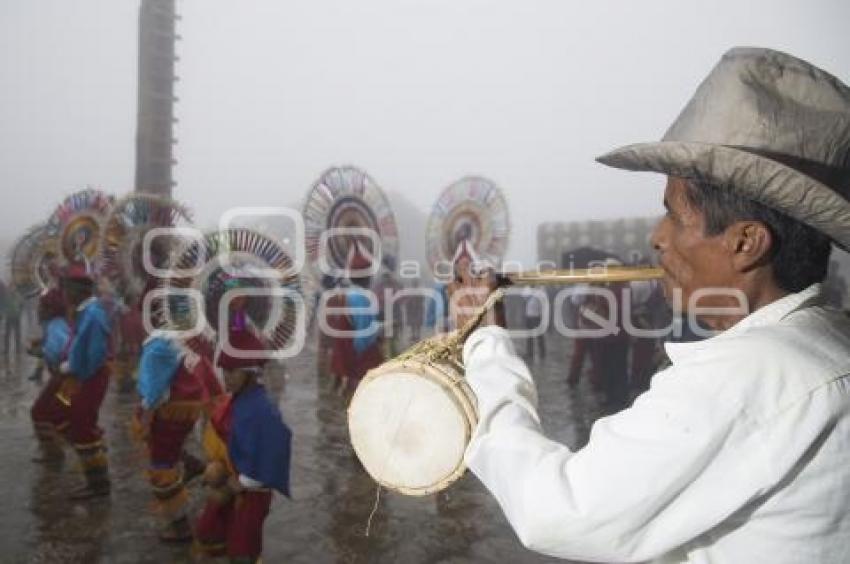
<point>750,244</point>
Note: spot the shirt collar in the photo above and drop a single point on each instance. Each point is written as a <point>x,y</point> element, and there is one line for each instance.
<point>770,314</point>
<point>86,303</point>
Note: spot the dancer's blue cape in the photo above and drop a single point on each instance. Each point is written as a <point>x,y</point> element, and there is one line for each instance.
<point>260,442</point>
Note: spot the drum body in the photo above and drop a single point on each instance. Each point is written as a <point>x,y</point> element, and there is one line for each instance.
<point>411,420</point>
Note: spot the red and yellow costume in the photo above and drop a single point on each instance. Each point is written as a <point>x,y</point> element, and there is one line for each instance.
<point>84,383</point>
<point>246,441</point>
<point>171,387</point>
<point>47,412</point>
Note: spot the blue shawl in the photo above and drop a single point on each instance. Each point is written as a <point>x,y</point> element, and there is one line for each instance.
<point>90,345</point>
<point>364,320</point>
<point>57,332</point>
<point>158,364</point>
<point>259,443</point>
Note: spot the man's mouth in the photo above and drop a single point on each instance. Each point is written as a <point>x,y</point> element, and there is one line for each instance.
<point>659,263</point>
<point>668,282</point>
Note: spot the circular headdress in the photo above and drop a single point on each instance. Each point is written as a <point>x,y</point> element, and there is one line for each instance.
<point>474,210</point>
<point>345,198</point>
<point>130,219</point>
<point>33,260</point>
<point>224,260</point>
<point>77,225</point>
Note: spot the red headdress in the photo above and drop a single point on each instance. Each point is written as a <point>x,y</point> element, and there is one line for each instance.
<point>78,272</point>
<point>248,351</point>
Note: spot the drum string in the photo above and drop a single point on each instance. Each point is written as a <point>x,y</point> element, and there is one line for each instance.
<point>374,509</point>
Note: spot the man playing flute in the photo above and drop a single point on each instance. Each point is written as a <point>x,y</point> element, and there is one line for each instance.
<point>740,451</point>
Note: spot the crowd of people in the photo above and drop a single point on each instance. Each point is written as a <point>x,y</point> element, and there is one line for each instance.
<point>245,440</point>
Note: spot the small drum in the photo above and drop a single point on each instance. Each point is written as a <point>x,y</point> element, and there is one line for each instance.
<point>412,418</point>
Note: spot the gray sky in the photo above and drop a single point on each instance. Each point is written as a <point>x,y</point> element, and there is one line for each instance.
<point>418,93</point>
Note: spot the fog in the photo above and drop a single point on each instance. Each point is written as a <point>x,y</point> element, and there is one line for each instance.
<point>417,93</point>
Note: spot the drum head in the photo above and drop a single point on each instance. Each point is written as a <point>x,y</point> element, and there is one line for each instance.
<point>410,425</point>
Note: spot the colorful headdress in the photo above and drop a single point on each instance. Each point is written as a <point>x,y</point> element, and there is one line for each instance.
<point>471,211</point>
<point>347,198</point>
<point>33,262</point>
<point>77,224</point>
<point>130,220</point>
<point>207,270</point>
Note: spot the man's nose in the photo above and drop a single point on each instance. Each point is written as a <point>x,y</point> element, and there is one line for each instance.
<point>659,237</point>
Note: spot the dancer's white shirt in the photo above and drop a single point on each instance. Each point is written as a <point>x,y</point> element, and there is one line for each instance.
<point>738,453</point>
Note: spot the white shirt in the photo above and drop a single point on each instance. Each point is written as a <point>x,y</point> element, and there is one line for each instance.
<point>738,453</point>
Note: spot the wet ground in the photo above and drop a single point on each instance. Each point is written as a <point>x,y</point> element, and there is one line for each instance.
<point>332,496</point>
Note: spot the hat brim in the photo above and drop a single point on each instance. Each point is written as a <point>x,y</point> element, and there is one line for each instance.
<point>756,177</point>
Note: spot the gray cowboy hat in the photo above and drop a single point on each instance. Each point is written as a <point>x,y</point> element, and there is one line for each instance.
<point>768,125</point>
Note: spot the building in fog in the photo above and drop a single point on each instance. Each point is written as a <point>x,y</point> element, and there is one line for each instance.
<point>627,238</point>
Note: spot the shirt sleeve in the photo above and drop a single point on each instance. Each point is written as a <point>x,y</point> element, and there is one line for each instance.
<point>90,347</point>
<point>646,483</point>
<point>56,337</point>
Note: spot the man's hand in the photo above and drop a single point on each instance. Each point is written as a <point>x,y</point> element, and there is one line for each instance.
<point>465,300</point>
